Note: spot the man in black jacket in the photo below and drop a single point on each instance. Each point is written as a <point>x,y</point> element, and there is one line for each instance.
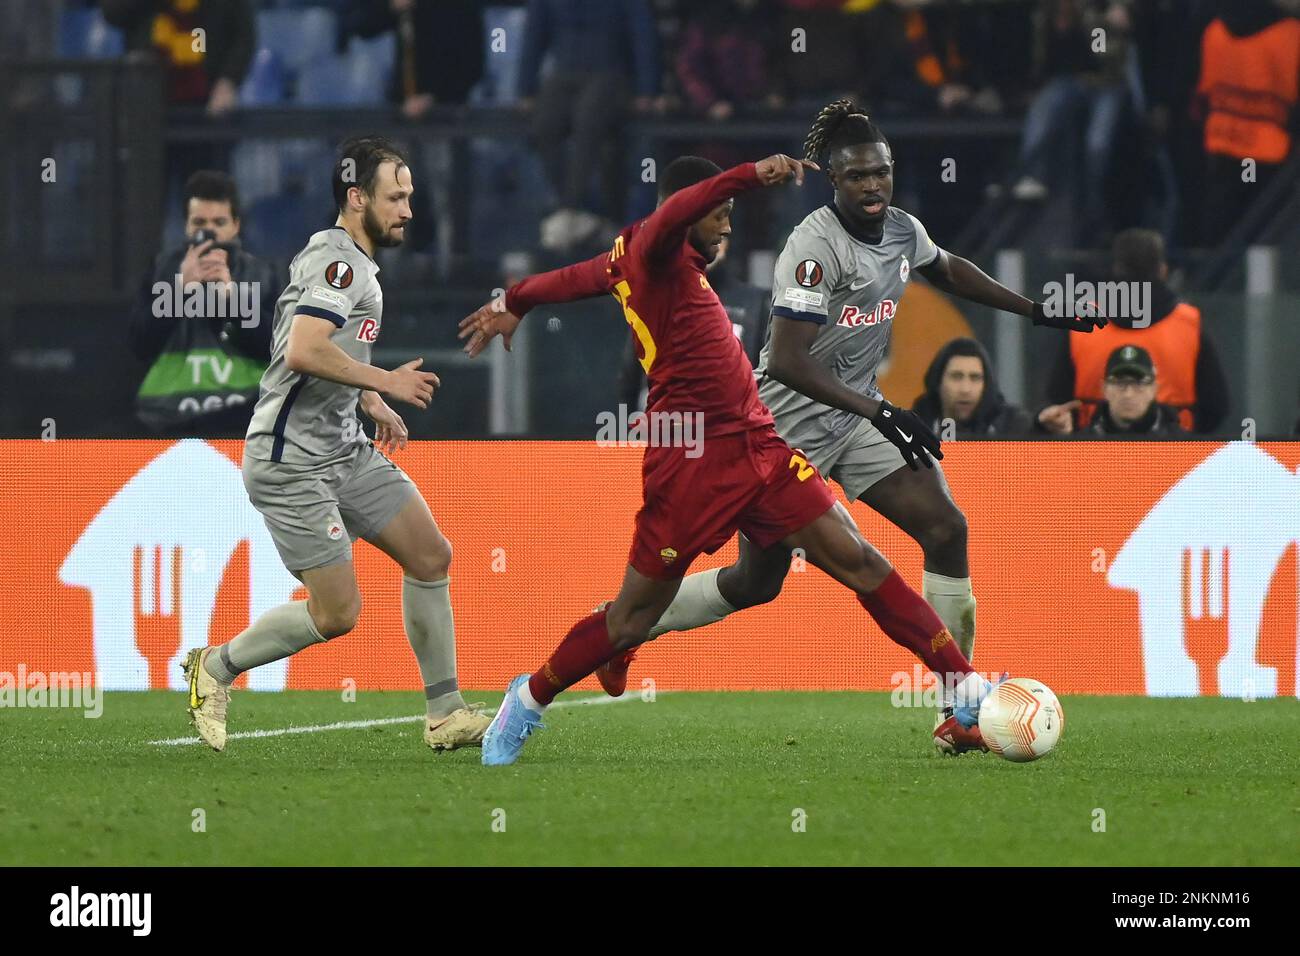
<point>1130,409</point>
<point>960,387</point>
<point>244,283</point>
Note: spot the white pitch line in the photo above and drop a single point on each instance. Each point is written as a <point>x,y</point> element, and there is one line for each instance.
<point>377,722</point>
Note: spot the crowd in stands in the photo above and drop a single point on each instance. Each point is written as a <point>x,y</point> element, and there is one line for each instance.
<point>1187,88</point>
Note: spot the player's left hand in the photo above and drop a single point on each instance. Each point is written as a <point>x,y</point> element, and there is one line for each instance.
<point>390,430</point>
<point>485,323</point>
<point>777,169</point>
<point>1087,317</point>
<point>909,433</point>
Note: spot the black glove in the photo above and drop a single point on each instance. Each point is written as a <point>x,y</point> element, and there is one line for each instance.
<point>1089,317</point>
<point>906,430</point>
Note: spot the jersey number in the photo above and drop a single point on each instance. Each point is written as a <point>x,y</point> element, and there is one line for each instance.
<point>622,291</point>
<point>805,469</point>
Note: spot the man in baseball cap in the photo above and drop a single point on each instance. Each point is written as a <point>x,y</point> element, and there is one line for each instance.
<point>1130,406</point>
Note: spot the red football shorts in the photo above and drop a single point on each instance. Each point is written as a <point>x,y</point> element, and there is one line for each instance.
<point>749,481</point>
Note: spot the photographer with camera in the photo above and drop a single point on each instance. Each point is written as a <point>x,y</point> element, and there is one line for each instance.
<point>202,320</point>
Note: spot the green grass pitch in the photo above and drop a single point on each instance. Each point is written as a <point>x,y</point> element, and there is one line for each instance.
<point>690,778</point>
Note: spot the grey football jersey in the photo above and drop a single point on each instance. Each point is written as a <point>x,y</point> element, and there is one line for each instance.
<point>301,419</point>
<point>852,289</point>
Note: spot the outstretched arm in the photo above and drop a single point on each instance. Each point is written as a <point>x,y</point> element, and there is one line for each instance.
<point>582,280</point>
<point>664,230</point>
<point>959,276</point>
<point>502,315</point>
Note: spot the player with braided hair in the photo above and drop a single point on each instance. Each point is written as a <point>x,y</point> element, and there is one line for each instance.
<point>835,292</point>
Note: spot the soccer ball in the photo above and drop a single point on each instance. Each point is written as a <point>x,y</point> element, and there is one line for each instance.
<point>1021,719</point>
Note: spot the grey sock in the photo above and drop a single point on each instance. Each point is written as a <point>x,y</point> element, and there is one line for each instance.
<point>281,631</point>
<point>426,613</point>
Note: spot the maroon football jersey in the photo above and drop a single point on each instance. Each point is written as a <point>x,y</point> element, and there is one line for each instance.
<point>684,338</point>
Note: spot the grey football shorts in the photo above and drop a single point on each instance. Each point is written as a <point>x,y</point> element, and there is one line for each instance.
<point>857,460</point>
<point>315,512</point>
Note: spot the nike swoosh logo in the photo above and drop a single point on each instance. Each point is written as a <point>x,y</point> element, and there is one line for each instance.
<point>195,700</point>
<point>906,437</point>
<point>855,287</point>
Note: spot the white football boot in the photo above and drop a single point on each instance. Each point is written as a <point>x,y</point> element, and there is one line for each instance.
<point>208,700</point>
<point>461,728</point>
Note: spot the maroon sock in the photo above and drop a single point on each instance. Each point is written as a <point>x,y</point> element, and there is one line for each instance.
<point>908,620</point>
<point>583,649</point>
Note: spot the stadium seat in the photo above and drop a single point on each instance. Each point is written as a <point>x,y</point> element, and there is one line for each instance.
<point>507,185</point>
<point>266,83</point>
<point>357,78</point>
<point>269,167</point>
<point>84,34</point>
<point>305,166</point>
<point>366,85</point>
<point>501,70</point>
<point>326,82</point>
<point>279,226</point>
<point>255,165</point>
<point>299,38</point>
<point>378,53</point>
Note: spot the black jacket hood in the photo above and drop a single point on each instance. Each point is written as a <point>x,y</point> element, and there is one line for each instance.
<point>992,405</point>
<point>1245,18</point>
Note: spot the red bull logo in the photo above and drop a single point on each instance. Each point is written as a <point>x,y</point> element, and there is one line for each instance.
<point>853,317</point>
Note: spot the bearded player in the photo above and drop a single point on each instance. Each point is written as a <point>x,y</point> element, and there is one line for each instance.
<point>320,483</point>
<point>745,479</point>
<point>836,288</point>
